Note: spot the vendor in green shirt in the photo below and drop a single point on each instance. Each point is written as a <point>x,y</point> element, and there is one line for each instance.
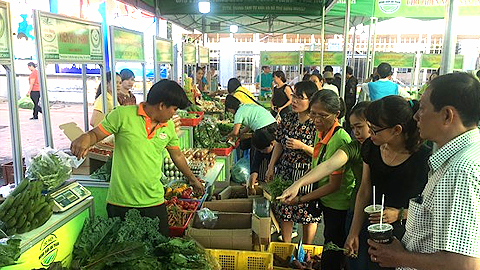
<point>142,132</point>
<point>265,82</point>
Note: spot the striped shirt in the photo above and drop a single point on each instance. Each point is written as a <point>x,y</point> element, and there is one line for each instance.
<point>446,216</point>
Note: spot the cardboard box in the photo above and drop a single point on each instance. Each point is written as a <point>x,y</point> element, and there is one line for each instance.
<point>238,192</point>
<point>232,231</point>
<point>261,226</point>
<point>230,206</point>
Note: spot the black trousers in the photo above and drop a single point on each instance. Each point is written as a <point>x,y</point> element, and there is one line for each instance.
<point>334,231</point>
<point>35,96</point>
<point>159,211</point>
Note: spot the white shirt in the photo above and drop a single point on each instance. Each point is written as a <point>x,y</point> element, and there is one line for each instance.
<point>330,87</point>
<point>446,216</point>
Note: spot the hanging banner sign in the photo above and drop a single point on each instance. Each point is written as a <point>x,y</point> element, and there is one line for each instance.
<point>129,45</point>
<point>433,61</point>
<point>164,51</point>
<point>204,54</point>
<point>313,58</point>
<point>70,40</point>
<point>5,53</point>
<point>279,58</point>
<point>250,7</point>
<point>398,60</point>
<point>189,54</point>
<point>423,8</point>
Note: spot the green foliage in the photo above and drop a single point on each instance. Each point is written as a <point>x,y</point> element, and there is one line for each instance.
<point>51,168</point>
<point>276,187</point>
<point>104,172</point>
<point>9,252</point>
<point>207,134</point>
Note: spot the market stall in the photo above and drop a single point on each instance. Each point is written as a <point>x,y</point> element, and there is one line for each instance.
<point>127,46</point>
<point>189,62</point>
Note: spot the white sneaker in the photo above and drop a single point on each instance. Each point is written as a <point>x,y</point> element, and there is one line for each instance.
<point>294,234</point>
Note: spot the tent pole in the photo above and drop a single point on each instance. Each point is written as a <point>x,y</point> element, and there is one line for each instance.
<point>367,73</point>
<point>449,40</point>
<point>322,37</point>
<point>352,59</point>
<point>374,41</point>
<point>346,28</point>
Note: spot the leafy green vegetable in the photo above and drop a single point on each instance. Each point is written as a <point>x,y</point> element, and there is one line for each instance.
<point>104,172</point>
<point>184,254</point>
<point>276,187</point>
<point>207,134</point>
<point>50,167</point>
<point>193,108</point>
<point>332,246</point>
<point>9,251</point>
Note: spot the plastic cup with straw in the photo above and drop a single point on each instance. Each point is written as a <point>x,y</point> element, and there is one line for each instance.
<point>381,233</point>
<point>372,209</point>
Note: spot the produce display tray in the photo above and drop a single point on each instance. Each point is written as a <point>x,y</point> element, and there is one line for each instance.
<point>199,113</point>
<point>192,122</point>
<point>284,250</point>
<point>242,260</point>
<point>222,151</point>
<point>180,231</point>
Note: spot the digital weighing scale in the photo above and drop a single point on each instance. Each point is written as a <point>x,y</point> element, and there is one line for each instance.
<point>68,196</point>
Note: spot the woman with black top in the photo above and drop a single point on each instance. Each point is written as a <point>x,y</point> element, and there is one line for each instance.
<point>282,95</point>
<point>395,162</point>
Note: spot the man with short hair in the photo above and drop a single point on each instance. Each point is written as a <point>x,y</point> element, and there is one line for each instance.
<point>328,84</point>
<point>142,132</point>
<point>266,82</point>
<point>384,86</point>
<point>443,223</point>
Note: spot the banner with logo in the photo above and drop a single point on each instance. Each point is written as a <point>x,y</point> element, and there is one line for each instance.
<point>70,40</point>
<point>189,54</point>
<point>423,8</point>
<point>433,61</point>
<point>398,60</point>
<point>279,58</point>
<point>164,51</point>
<point>250,7</point>
<point>204,54</point>
<point>312,58</point>
<point>57,246</point>
<point>128,45</point>
<point>5,54</point>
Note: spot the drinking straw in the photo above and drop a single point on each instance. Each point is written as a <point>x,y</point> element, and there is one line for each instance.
<point>381,211</point>
<point>373,198</point>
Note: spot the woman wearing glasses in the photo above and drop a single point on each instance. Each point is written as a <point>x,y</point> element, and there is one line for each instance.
<point>291,159</point>
<point>395,162</point>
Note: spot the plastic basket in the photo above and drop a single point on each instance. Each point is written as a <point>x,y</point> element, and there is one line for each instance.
<point>284,250</point>
<point>199,113</point>
<point>180,231</point>
<point>222,151</point>
<point>191,122</point>
<point>242,260</point>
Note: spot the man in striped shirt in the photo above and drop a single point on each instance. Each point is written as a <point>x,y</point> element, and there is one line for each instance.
<point>443,223</point>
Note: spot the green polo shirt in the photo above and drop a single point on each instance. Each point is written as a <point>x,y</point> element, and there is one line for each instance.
<point>253,116</point>
<point>352,150</point>
<point>267,80</point>
<point>137,159</point>
<point>339,200</point>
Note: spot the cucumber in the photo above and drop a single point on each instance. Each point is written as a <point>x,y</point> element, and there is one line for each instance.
<point>34,223</point>
<point>25,228</point>
<point>11,231</point>
<point>39,208</point>
<point>21,220</point>
<point>11,212</point>
<point>45,211</point>
<point>45,217</point>
<point>30,216</point>
<point>11,222</point>
<point>21,187</point>
<point>5,206</point>
<point>30,205</point>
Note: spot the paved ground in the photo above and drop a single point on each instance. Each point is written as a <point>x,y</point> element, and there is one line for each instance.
<point>32,130</point>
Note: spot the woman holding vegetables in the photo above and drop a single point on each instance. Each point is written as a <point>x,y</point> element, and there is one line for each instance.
<point>291,159</point>
<point>349,153</point>
<point>395,162</point>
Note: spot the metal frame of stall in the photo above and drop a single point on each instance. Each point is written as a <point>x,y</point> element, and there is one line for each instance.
<point>50,53</point>
<point>7,61</point>
<point>186,61</point>
<point>128,37</point>
<point>160,57</point>
<point>201,61</point>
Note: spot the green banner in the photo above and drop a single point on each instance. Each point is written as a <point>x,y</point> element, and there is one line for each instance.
<point>189,54</point>
<point>312,58</point>
<point>434,61</point>
<point>398,60</point>
<point>279,58</point>
<point>64,39</point>
<point>164,51</point>
<point>423,8</point>
<point>4,34</point>
<point>204,54</point>
<point>250,7</point>
<point>129,45</point>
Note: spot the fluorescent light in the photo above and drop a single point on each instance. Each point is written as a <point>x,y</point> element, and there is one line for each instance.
<point>204,7</point>
<point>233,28</point>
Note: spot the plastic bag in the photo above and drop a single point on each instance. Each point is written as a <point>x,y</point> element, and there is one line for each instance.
<point>207,217</point>
<point>50,166</point>
<point>26,103</point>
<point>241,171</point>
